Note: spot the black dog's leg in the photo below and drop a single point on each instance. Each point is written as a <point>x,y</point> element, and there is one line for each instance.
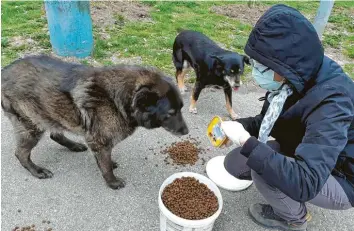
<point>102,154</point>
<point>181,67</point>
<point>228,98</point>
<point>71,145</point>
<point>180,75</point>
<point>198,87</point>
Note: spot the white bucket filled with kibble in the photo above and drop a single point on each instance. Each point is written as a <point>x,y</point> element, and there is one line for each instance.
<point>189,201</point>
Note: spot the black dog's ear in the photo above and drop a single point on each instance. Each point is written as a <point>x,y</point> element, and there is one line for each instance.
<point>246,60</point>
<point>144,97</point>
<point>218,58</point>
<point>217,62</point>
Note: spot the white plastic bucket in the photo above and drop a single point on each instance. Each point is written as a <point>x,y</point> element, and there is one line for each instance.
<point>171,222</point>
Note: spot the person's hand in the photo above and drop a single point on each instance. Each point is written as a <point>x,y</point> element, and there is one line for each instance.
<point>235,132</point>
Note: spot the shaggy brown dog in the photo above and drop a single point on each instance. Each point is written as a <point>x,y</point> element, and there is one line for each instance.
<point>104,105</point>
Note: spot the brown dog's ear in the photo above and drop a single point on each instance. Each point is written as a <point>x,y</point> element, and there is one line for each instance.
<point>144,97</point>
<point>246,60</point>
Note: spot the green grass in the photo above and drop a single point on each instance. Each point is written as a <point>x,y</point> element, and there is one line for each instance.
<point>348,45</point>
<point>153,40</point>
<point>349,69</point>
<point>25,19</point>
<point>343,23</point>
<point>333,40</point>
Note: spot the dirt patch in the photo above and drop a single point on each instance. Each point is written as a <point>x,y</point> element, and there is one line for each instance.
<point>246,14</point>
<point>241,12</point>
<point>106,13</point>
<point>19,41</point>
<point>337,55</point>
<point>250,15</point>
<point>138,60</point>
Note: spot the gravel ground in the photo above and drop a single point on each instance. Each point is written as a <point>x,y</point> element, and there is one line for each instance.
<point>76,198</point>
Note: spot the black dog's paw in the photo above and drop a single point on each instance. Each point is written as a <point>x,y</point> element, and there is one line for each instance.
<point>193,109</point>
<point>42,173</point>
<point>117,184</point>
<point>234,116</point>
<point>78,147</point>
<point>183,90</point>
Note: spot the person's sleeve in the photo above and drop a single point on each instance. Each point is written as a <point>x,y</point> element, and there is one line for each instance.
<point>315,158</point>
<point>253,124</point>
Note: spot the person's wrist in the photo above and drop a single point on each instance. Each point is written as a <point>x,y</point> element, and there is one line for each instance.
<point>245,138</point>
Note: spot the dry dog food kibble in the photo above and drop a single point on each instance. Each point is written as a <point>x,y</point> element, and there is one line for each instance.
<point>184,152</point>
<point>33,227</point>
<point>187,198</point>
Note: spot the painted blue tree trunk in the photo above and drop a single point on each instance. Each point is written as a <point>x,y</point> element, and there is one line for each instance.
<point>70,27</point>
<point>323,13</point>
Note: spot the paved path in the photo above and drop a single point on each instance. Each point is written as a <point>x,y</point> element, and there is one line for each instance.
<point>76,198</point>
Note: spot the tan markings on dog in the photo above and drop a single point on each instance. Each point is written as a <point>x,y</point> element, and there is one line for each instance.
<point>231,112</point>
<point>180,75</point>
<point>180,79</point>
<point>192,106</point>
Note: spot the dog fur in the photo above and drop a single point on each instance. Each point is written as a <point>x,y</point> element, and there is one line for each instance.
<point>105,105</point>
<point>212,65</point>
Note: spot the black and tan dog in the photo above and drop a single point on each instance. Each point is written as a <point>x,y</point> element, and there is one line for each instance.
<point>105,105</point>
<point>212,65</point>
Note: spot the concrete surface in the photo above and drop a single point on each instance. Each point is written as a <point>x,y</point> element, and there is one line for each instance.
<point>76,198</point>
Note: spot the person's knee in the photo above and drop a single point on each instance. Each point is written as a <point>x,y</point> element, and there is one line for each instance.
<point>257,179</point>
<point>236,164</point>
<point>230,159</point>
<point>255,176</point>
<point>262,186</point>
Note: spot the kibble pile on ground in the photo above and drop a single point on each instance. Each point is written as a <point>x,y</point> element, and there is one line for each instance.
<point>187,198</point>
<point>33,227</point>
<point>184,152</point>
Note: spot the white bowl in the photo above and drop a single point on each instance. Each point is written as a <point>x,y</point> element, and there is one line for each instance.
<point>169,221</point>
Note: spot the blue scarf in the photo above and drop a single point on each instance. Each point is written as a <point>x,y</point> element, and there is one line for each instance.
<point>277,100</point>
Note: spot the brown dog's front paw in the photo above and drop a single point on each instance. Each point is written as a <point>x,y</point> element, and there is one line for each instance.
<point>114,165</point>
<point>42,173</point>
<point>116,184</point>
<point>77,147</point>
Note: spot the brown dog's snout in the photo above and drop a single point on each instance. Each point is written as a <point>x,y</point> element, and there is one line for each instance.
<point>183,130</point>
<point>176,125</point>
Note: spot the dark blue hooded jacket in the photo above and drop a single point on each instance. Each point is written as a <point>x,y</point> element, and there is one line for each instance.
<point>316,126</point>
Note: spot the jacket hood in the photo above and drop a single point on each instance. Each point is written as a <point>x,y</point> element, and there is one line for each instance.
<point>285,41</point>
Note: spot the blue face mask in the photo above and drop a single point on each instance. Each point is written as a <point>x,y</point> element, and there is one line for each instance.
<point>264,77</point>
